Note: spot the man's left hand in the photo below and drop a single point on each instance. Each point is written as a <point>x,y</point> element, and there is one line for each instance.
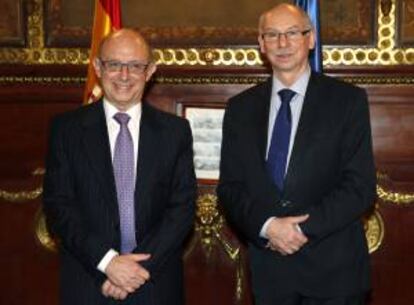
<point>111,290</point>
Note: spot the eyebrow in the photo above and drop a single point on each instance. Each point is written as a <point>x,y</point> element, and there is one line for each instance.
<point>293,27</point>
<point>138,61</point>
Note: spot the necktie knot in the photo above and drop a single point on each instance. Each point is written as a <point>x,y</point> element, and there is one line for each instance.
<point>122,118</point>
<point>286,95</point>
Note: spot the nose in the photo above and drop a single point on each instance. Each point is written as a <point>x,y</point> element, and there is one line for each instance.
<point>282,41</point>
<point>124,72</point>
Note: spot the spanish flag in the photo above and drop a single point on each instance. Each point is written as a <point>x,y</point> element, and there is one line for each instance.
<point>107,19</point>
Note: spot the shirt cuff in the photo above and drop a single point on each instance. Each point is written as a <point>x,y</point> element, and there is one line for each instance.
<point>106,260</point>
<point>264,228</point>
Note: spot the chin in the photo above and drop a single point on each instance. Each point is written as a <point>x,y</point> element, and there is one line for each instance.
<point>123,97</point>
<point>284,68</point>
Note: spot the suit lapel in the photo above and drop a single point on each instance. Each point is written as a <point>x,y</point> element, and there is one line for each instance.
<point>310,110</point>
<point>148,151</point>
<point>96,144</point>
<point>262,105</point>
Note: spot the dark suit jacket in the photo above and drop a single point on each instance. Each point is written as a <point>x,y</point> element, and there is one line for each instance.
<point>81,205</point>
<point>331,176</point>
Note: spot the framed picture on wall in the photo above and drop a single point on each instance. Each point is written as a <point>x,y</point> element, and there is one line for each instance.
<point>206,125</point>
<point>210,23</point>
<point>12,23</point>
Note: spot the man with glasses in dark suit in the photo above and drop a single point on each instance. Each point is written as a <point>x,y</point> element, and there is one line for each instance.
<point>119,188</point>
<point>297,173</point>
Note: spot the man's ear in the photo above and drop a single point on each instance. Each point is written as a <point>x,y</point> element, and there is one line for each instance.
<point>97,67</point>
<point>312,42</point>
<point>150,71</point>
<point>261,43</point>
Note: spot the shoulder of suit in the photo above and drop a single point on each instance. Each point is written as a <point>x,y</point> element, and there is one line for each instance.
<point>74,116</point>
<point>336,83</point>
<point>163,117</point>
<point>252,92</point>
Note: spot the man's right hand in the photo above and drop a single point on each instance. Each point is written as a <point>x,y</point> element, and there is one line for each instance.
<point>126,272</point>
<point>284,235</point>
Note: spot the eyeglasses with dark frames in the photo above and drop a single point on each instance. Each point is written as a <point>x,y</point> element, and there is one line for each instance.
<point>115,66</point>
<point>293,35</point>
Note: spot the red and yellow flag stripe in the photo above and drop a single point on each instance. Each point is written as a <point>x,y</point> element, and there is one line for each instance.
<point>107,19</point>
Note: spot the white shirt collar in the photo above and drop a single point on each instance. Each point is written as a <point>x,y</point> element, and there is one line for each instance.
<point>299,86</point>
<point>134,112</point>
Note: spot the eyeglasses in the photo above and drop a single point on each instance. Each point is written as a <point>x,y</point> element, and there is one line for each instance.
<point>114,66</point>
<point>292,35</point>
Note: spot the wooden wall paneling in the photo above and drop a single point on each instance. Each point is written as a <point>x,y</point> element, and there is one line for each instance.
<point>29,273</point>
<point>392,263</point>
<point>392,121</point>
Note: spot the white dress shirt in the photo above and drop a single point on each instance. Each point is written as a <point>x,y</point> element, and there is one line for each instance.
<point>296,104</point>
<point>113,129</point>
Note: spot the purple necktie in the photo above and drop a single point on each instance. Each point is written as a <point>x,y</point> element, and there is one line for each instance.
<point>123,164</point>
<point>279,145</point>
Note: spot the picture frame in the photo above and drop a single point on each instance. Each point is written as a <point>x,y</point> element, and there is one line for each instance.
<point>206,125</point>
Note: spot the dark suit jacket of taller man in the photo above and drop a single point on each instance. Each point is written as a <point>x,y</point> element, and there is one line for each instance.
<point>330,176</point>
<point>81,203</point>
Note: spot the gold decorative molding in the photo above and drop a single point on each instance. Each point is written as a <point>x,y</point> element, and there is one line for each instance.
<point>209,80</point>
<point>374,231</point>
<point>394,197</point>
<point>385,53</point>
<point>202,80</point>
<point>42,234</point>
<point>208,56</point>
<point>398,198</point>
<point>209,224</point>
<point>379,80</point>
<point>43,80</point>
<point>250,80</point>
<point>23,196</point>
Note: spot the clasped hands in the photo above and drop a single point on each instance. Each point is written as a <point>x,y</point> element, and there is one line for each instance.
<point>125,275</point>
<point>284,234</point>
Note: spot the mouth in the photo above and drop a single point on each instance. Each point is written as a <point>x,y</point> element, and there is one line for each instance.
<point>283,55</point>
<point>122,87</point>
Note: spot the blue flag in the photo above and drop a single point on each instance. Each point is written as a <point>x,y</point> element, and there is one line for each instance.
<point>311,7</point>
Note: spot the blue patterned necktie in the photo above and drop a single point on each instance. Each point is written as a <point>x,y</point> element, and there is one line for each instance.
<point>279,145</point>
<point>123,164</point>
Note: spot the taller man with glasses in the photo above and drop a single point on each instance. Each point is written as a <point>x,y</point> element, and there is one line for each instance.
<point>297,173</point>
<point>119,188</point>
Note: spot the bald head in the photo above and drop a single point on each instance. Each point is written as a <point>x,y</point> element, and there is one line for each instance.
<point>286,37</point>
<point>283,9</point>
<point>125,36</point>
<point>124,67</point>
